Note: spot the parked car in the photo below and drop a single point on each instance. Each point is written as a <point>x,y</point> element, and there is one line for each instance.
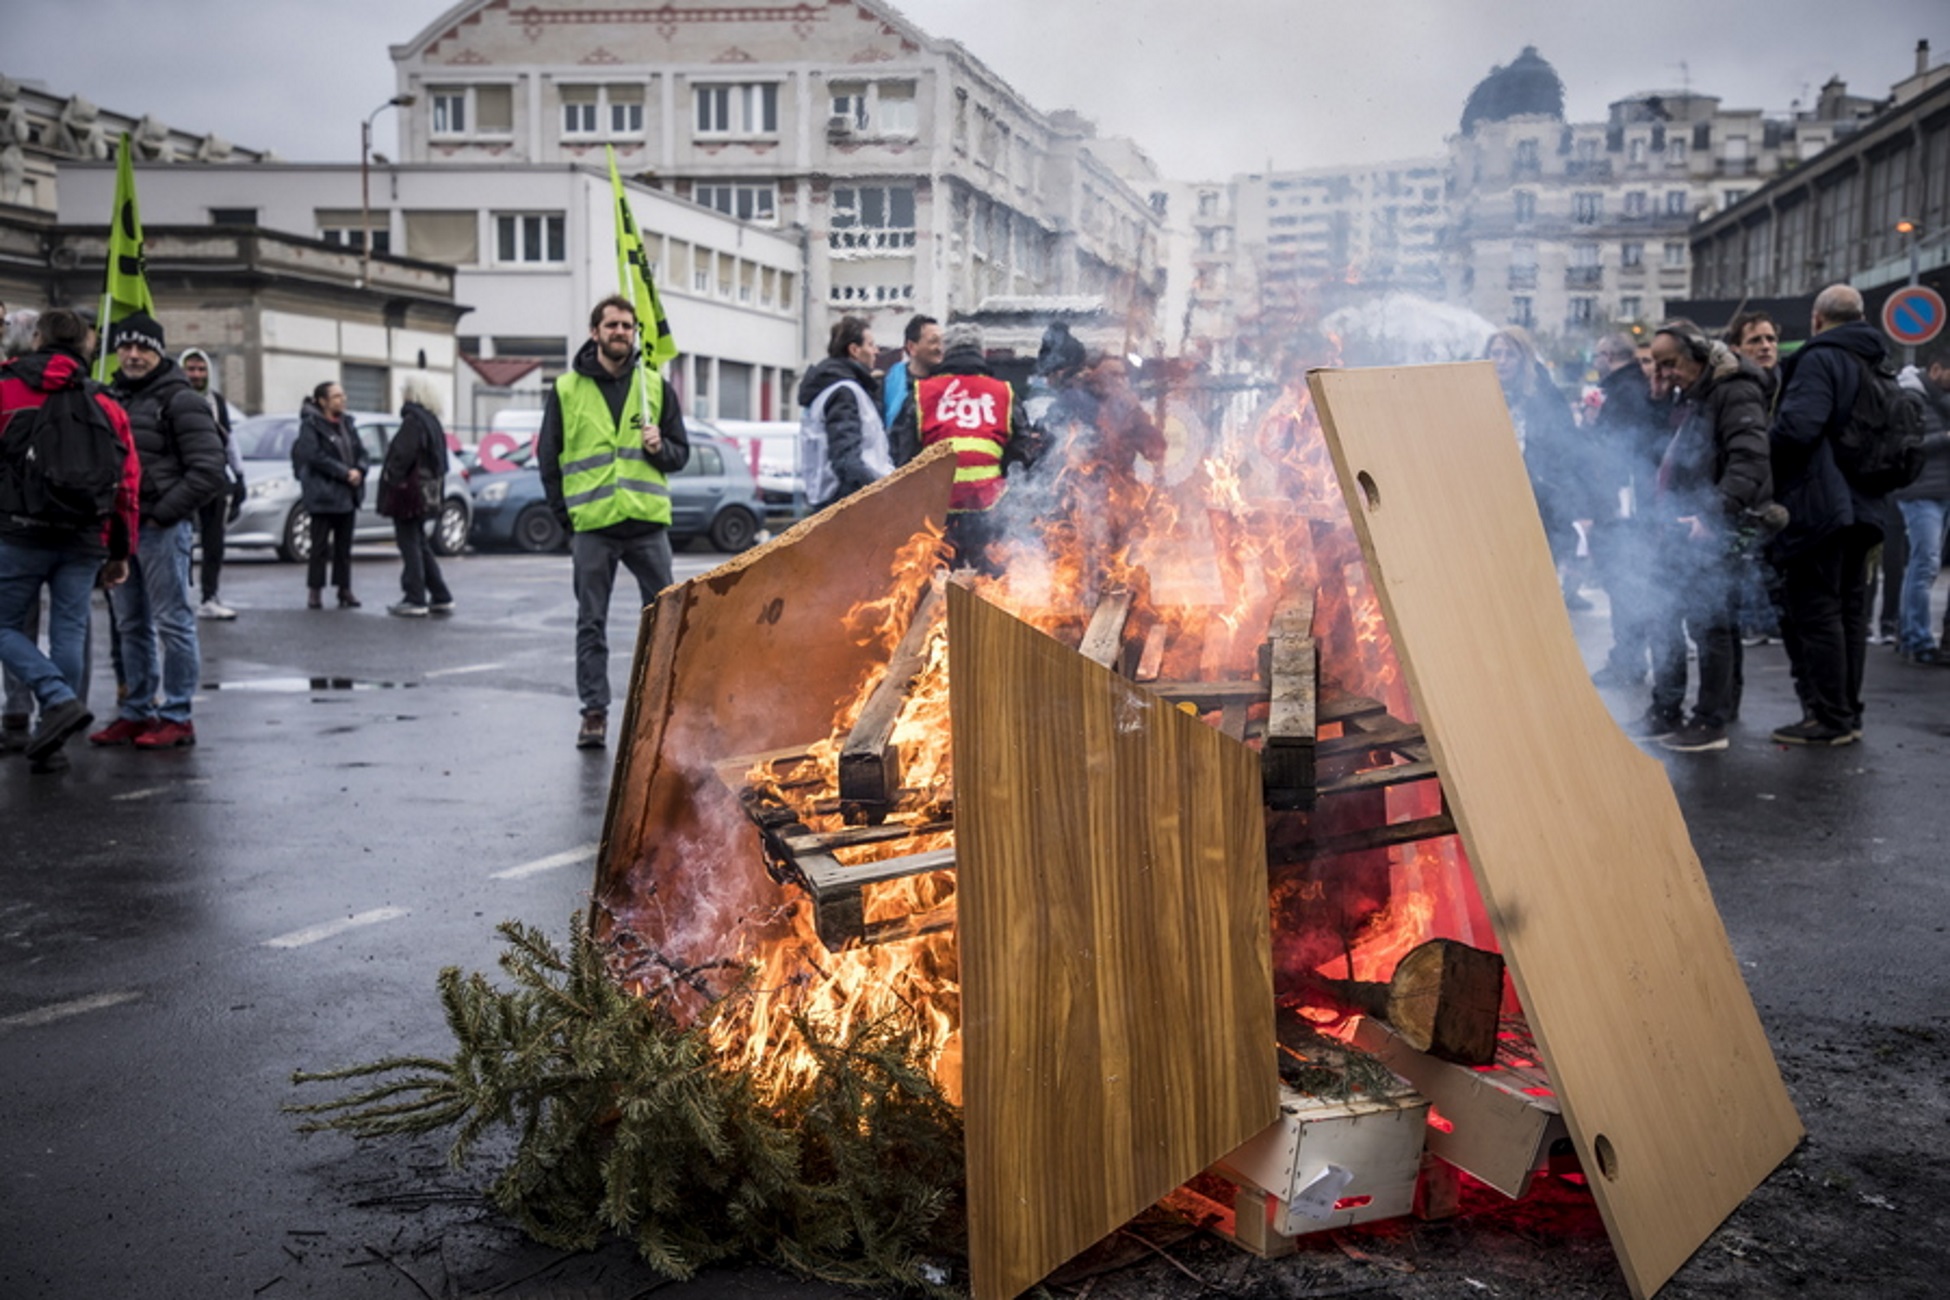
<point>774,444</point>
<point>713,498</point>
<point>274,516</point>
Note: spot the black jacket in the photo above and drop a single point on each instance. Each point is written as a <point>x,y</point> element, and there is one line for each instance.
<point>904,439</point>
<point>1933,484</point>
<point>176,439</point>
<point>669,458</point>
<point>1717,464</point>
<point>1818,389</point>
<point>845,435</point>
<point>324,457</point>
<point>415,470</point>
<point>1629,437</point>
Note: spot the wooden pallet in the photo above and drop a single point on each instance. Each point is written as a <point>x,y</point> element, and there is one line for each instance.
<point>1497,1122</point>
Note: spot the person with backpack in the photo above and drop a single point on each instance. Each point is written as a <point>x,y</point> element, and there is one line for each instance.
<point>411,481</point>
<point>1834,412</point>
<point>155,612</point>
<point>70,483</point>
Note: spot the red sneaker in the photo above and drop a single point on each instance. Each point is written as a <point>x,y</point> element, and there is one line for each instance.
<point>122,731</point>
<point>167,735</point>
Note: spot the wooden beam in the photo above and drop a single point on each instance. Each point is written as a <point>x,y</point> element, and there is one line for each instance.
<point>839,911</point>
<point>1152,659</point>
<point>1379,837</point>
<point>870,763</point>
<point>1103,640</point>
<point>1293,673</point>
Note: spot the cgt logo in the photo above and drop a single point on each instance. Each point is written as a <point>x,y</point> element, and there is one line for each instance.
<point>965,410</point>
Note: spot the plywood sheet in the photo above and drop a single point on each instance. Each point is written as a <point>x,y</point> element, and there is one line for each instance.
<point>1577,843</point>
<point>752,656</point>
<point>1117,990</point>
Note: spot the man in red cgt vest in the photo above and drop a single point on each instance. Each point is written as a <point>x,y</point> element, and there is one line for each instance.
<point>962,403</point>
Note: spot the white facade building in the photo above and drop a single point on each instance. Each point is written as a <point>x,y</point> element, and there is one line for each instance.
<point>921,180</point>
<point>533,247</point>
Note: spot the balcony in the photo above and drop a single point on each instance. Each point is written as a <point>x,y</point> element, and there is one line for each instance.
<point>1596,169</point>
<point>1584,277</point>
<point>1523,277</point>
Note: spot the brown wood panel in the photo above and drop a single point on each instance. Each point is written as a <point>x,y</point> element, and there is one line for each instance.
<point>1576,841</point>
<point>751,656</point>
<point>1117,986</point>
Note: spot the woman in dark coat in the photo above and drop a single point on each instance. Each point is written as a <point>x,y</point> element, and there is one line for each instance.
<point>410,487</point>
<point>330,463</point>
<point>1548,437</point>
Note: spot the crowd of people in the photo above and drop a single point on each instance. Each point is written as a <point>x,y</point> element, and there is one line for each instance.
<point>1719,500</point>
<point>111,486</point>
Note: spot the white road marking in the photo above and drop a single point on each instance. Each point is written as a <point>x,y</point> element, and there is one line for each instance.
<point>455,672</point>
<point>549,863</point>
<point>62,1010</point>
<point>313,933</point>
<point>151,791</point>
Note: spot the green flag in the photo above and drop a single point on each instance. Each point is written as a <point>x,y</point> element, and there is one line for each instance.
<point>127,289</point>
<point>636,284</point>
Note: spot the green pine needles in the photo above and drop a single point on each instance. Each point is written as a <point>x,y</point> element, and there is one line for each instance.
<point>629,1123</point>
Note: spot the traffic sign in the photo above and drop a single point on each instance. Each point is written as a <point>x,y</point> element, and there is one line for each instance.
<point>1912,316</point>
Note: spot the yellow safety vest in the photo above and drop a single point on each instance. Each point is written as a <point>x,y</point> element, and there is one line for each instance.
<point>607,476</point>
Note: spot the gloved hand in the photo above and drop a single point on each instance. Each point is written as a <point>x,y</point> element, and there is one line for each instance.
<point>238,493</point>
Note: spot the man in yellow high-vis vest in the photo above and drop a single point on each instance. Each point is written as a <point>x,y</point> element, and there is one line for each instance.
<point>603,462</point>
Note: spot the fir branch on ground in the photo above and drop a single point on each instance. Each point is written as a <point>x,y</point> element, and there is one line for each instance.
<point>629,1123</point>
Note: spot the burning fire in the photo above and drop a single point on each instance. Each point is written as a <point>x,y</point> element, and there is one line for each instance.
<point>1209,558</point>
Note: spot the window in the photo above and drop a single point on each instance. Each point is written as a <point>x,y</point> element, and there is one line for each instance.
<point>1526,205</point>
<point>872,218</point>
<point>471,110</point>
<point>1584,255</point>
<point>849,105</point>
<point>701,262</point>
<point>1587,206</point>
<point>1675,203</point>
<point>1731,197</point>
<point>1521,311</point>
<point>1630,308</point>
<point>343,229</point>
<point>625,109</point>
<point>579,110</point>
<point>367,388</point>
<point>1631,254</point>
<point>1635,152</point>
<point>1675,253</point>
<point>529,238</point>
<point>233,216</point>
<point>878,108</point>
<point>1582,311</point>
<point>749,109</point>
<point>899,113</point>
<point>1676,152</point>
<point>1526,159</point>
<point>452,238</point>
<point>872,293</point>
<point>746,202</point>
<point>1635,203</point>
<point>1736,149</point>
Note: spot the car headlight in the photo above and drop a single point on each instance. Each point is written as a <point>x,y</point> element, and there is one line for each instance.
<point>270,487</point>
<point>492,494</point>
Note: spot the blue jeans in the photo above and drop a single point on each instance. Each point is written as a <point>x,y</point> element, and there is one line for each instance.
<point>156,620</point>
<point>1925,522</point>
<point>54,678</point>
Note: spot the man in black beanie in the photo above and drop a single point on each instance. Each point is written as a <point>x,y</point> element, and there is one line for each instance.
<point>182,457</point>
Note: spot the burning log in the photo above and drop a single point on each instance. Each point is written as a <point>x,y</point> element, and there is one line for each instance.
<point>870,764</point>
<point>1292,670</point>
<point>1103,640</point>
<point>1444,999</point>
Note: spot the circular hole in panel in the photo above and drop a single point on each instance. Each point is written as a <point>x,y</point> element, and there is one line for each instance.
<point>1369,491</point>
<point>1607,1157</point>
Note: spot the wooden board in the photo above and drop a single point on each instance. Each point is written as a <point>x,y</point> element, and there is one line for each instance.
<point>1576,841</point>
<point>751,656</point>
<point>1117,985</point>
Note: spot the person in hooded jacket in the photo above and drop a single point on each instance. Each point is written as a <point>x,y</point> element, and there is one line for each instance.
<point>330,461</point>
<point>1714,470</point>
<point>64,559</point>
<point>217,512</point>
<point>1822,554</point>
<point>842,439</point>
<point>961,402</point>
<point>155,614</point>
<point>410,486</point>
<point>1925,507</point>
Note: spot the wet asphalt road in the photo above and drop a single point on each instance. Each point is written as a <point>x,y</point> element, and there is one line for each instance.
<point>180,931</point>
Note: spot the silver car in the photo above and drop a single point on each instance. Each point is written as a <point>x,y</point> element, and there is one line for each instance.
<point>273,515</point>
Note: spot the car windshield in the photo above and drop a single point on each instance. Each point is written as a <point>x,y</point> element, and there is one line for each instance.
<point>266,437</point>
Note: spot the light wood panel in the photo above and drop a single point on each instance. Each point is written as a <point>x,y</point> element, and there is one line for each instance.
<point>751,656</point>
<point>1576,841</point>
<point>1117,988</point>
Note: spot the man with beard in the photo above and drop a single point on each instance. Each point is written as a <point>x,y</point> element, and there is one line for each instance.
<point>604,458</point>
<point>181,451</point>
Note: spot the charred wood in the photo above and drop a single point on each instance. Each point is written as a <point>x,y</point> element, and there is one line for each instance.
<point>870,765</point>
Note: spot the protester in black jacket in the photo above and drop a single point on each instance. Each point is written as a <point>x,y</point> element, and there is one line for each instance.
<point>1822,554</point>
<point>181,451</point>
<point>843,443</point>
<point>1925,509</point>
<point>1713,472</point>
<point>410,491</point>
<point>330,461</point>
<point>1628,439</point>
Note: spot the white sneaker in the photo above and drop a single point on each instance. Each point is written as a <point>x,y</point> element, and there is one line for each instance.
<point>215,609</point>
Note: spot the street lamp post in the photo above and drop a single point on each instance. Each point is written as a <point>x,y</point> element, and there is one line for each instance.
<point>365,184</point>
<point>1907,228</point>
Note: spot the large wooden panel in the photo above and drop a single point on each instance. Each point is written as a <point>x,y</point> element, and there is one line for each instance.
<point>751,656</point>
<point>1575,838</point>
<point>1117,989</point>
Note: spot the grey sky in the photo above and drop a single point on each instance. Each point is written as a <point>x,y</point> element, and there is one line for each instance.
<point>1208,88</point>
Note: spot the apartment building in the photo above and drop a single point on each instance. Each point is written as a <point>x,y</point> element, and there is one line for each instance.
<point>916,178</point>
